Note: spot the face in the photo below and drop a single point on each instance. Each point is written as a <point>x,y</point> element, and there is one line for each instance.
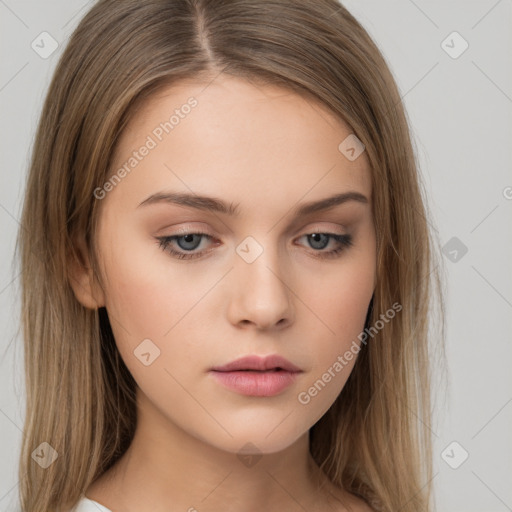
<point>215,244</point>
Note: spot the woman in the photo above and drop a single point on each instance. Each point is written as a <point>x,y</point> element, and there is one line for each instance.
<point>226,268</point>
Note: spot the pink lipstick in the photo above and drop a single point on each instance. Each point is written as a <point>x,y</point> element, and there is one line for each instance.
<point>257,376</point>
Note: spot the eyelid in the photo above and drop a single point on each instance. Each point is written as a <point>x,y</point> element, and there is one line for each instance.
<point>184,231</point>
<point>332,228</point>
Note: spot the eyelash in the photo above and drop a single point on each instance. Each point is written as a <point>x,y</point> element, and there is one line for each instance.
<point>343,242</point>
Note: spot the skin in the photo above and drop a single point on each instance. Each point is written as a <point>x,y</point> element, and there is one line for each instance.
<point>269,150</point>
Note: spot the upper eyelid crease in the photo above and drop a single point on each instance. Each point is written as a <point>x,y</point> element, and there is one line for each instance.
<point>217,205</point>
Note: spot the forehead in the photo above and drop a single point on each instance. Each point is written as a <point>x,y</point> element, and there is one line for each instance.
<point>228,133</point>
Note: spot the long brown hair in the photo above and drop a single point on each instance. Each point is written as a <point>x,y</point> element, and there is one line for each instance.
<point>375,440</point>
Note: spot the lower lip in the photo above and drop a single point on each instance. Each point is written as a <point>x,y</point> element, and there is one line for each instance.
<point>253,383</point>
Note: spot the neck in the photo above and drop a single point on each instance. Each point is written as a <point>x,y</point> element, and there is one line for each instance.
<point>166,468</point>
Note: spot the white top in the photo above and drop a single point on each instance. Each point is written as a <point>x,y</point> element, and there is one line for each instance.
<point>88,505</point>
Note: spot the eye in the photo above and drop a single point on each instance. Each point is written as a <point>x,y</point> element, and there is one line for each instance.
<point>187,242</point>
<point>320,241</point>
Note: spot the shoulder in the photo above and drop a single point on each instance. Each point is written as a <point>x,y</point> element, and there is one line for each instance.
<point>85,504</point>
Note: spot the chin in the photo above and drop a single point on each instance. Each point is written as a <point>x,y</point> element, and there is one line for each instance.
<point>260,439</point>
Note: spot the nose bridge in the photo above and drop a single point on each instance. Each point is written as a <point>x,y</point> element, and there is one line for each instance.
<point>261,294</point>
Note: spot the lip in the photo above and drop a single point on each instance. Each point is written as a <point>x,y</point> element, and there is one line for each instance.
<point>259,364</point>
<point>257,376</point>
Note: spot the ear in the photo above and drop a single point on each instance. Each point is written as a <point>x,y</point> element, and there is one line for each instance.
<point>81,278</point>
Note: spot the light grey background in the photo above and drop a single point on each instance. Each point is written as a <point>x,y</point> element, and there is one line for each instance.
<point>460,111</point>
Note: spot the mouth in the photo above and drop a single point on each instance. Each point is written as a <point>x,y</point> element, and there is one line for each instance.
<point>257,363</point>
<point>256,376</point>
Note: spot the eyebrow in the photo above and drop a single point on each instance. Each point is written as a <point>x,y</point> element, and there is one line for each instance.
<point>213,204</point>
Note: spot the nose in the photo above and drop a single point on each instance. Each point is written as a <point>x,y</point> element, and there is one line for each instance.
<point>260,295</point>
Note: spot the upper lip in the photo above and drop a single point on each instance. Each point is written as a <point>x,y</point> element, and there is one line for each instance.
<point>271,362</point>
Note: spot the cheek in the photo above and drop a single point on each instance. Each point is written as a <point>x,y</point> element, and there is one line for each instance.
<point>341,296</point>
<point>152,309</point>
<point>147,296</point>
<point>340,304</point>
<point>172,305</point>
